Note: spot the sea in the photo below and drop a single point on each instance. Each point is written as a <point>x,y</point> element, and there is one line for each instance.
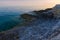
<point>9,18</point>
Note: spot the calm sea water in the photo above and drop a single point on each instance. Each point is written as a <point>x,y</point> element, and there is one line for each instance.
<point>9,19</point>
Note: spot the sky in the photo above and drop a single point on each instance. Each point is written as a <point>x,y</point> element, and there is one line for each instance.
<point>30,3</point>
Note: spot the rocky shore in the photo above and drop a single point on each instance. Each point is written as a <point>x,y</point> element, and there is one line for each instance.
<point>39,26</point>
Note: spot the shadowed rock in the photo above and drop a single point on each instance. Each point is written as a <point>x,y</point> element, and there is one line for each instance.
<point>47,13</point>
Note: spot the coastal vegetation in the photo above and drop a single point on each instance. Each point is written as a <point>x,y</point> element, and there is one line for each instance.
<point>28,17</point>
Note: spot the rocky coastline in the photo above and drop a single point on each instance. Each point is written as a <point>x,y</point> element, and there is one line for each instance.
<point>37,22</point>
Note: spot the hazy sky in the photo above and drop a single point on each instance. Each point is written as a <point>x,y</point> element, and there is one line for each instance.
<point>30,3</point>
